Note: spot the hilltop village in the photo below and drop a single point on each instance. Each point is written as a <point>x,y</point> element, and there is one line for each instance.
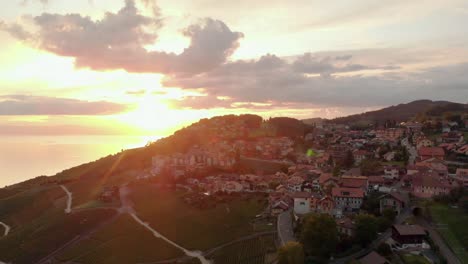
<point>324,168</point>
<point>243,189</point>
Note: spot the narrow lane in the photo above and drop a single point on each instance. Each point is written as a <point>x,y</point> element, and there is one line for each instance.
<point>7,228</point>
<point>69,199</point>
<point>127,208</point>
<point>285,228</point>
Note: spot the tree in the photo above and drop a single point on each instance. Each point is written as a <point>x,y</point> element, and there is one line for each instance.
<point>336,171</point>
<point>383,224</point>
<point>384,249</point>
<point>366,228</point>
<point>370,167</point>
<point>349,159</point>
<point>390,214</point>
<point>319,235</point>
<point>291,253</point>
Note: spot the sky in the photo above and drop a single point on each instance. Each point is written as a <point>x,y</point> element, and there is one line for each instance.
<point>112,67</point>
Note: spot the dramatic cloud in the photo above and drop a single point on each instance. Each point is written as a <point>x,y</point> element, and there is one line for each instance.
<point>275,81</point>
<point>40,105</point>
<point>118,41</point>
<point>333,79</point>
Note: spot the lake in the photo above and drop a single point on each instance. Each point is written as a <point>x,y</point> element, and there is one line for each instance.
<point>25,157</point>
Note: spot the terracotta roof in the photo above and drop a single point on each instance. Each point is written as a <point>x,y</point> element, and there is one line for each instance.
<point>397,196</point>
<point>348,192</point>
<point>281,204</point>
<point>409,230</point>
<point>427,180</point>
<point>373,258</point>
<point>325,177</point>
<point>376,179</point>
<point>354,182</point>
<point>431,151</point>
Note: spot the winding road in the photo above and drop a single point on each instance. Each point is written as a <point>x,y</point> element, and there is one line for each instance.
<point>127,207</point>
<point>7,228</point>
<point>69,200</point>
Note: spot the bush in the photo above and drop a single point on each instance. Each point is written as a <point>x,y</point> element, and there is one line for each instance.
<point>384,249</point>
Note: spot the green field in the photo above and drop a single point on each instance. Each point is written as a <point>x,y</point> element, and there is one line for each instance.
<point>123,241</point>
<point>194,228</point>
<point>42,235</point>
<point>414,259</point>
<point>452,226</point>
<point>252,251</point>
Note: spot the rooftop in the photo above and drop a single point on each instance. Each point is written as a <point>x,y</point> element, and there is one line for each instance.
<point>348,192</point>
<point>373,258</point>
<point>410,230</point>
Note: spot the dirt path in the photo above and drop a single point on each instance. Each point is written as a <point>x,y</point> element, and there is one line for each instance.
<point>128,208</point>
<point>69,200</point>
<point>7,229</point>
<point>193,254</point>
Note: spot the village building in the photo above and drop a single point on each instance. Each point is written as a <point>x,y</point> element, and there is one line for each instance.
<point>302,202</point>
<point>346,226</point>
<point>279,207</point>
<point>427,185</point>
<point>423,142</point>
<point>392,200</point>
<point>409,235</point>
<point>325,205</point>
<point>348,199</point>
<point>373,258</point>
<point>391,172</point>
<point>360,155</point>
<point>462,177</point>
<point>436,165</point>
<point>355,182</point>
<point>375,182</point>
<point>431,152</point>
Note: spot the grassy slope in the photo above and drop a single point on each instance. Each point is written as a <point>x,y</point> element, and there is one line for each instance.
<point>32,241</point>
<point>455,232</point>
<point>123,241</point>
<point>249,252</point>
<point>414,259</point>
<point>194,228</point>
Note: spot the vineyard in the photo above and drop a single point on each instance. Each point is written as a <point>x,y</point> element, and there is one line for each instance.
<point>253,251</point>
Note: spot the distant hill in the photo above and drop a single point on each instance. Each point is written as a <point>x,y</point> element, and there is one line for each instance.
<point>313,121</point>
<point>404,112</point>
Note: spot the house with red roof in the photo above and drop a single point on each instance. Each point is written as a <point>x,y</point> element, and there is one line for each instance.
<point>436,165</point>
<point>431,152</point>
<point>325,205</point>
<point>373,258</point>
<point>361,182</point>
<point>412,235</point>
<point>393,200</point>
<point>360,155</point>
<point>427,185</point>
<point>348,199</point>
<point>326,179</point>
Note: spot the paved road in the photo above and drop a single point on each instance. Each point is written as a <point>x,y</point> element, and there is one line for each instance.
<point>7,228</point>
<point>285,228</point>
<point>439,241</point>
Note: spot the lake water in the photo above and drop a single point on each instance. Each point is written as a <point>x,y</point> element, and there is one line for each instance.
<point>25,157</point>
